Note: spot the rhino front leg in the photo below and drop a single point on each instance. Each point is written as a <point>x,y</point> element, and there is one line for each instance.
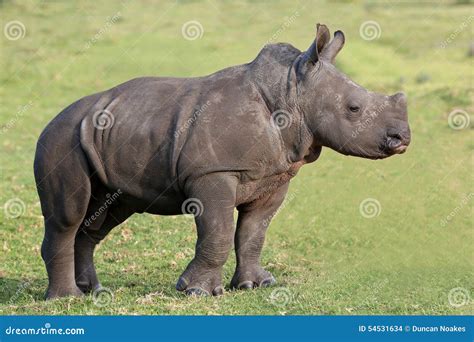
<point>212,201</point>
<point>249,238</point>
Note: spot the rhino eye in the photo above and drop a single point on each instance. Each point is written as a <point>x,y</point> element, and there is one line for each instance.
<point>354,109</point>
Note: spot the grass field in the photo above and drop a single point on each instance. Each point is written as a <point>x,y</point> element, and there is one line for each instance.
<point>414,257</point>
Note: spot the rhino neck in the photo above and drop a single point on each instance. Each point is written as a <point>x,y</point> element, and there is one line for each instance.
<point>273,74</point>
<point>269,72</point>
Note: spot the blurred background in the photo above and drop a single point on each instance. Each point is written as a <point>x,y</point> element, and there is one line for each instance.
<point>353,237</point>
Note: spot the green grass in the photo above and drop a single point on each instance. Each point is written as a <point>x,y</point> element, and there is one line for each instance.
<point>328,257</point>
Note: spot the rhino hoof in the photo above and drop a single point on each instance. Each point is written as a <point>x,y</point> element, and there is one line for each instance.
<point>246,285</point>
<point>181,284</point>
<point>268,282</point>
<point>218,291</point>
<point>196,292</point>
<point>87,287</point>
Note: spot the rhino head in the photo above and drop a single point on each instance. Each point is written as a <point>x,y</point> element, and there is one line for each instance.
<point>341,114</point>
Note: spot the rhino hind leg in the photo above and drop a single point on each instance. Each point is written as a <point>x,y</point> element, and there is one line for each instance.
<point>88,237</point>
<point>64,189</point>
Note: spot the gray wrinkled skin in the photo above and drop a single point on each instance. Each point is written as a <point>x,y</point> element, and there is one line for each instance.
<point>233,139</point>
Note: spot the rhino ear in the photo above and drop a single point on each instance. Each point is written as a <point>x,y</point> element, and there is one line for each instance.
<point>321,40</point>
<point>331,50</point>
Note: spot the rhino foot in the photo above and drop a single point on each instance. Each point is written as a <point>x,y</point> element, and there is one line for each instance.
<point>250,278</point>
<point>53,293</point>
<point>200,283</point>
<point>87,286</point>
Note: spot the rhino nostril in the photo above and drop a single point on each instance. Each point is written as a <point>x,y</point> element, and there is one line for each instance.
<point>396,136</point>
<point>395,139</point>
<point>396,144</point>
<point>393,142</point>
<point>401,135</point>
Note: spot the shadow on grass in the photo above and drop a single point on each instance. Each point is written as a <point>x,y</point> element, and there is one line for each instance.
<point>14,290</point>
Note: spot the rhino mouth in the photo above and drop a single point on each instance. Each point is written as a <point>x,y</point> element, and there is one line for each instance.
<point>400,149</point>
<point>395,145</point>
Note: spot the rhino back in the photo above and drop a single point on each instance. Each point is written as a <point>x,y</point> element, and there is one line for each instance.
<point>134,149</point>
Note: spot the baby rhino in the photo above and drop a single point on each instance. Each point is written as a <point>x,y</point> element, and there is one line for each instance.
<point>202,146</point>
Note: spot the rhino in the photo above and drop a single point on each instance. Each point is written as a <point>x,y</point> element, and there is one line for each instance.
<point>203,146</point>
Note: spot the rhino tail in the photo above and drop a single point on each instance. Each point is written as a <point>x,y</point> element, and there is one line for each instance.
<point>90,137</point>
